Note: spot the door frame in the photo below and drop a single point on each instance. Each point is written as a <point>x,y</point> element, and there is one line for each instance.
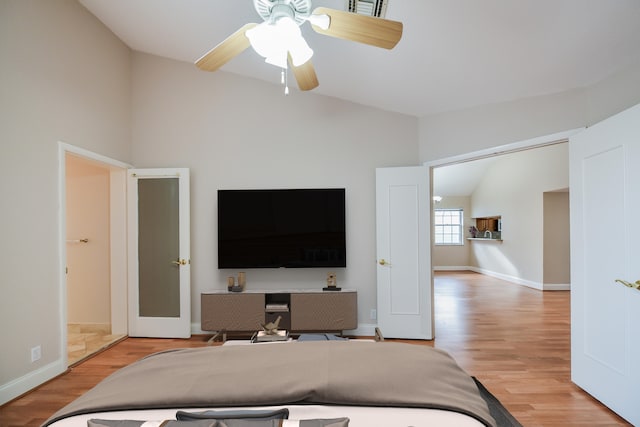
<point>117,238</point>
<point>499,150</point>
<point>529,144</point>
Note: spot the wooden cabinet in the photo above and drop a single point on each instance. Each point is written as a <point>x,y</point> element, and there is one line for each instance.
<point>324,311</point>
<point>489,228</point>
<point>302,311</point>
<point>490,224</point>
<point>242,312</point>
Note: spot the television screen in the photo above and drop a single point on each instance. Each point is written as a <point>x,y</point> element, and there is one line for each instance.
<point>291,228</point>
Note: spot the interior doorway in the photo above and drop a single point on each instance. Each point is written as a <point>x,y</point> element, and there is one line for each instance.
<point>510,256</point>
<point>93,244</point>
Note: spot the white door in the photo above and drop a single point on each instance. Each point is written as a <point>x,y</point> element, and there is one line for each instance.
<point>405,283</point>
<point>605,246</point>
<point>159,256</point>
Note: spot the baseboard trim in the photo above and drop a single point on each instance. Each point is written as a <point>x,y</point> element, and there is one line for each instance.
<point>451,268</point>
<point>28,382</point>
<point>508,278</point>
<point>512,279</point>
<point>195,330</point>
<point>557,286</point>
<point>363,330</point>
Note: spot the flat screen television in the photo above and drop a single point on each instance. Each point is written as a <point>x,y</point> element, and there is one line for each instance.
<point>292,228</point>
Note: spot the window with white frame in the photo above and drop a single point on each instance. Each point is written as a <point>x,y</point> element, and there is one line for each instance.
<point>448,226</point>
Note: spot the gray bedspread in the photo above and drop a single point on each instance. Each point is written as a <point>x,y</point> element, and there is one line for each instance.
<point>330,372</point>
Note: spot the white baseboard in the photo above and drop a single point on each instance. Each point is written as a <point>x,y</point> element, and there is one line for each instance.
<point>508,278</point>
<point>363,330</point>
<point>513,279</point>
<point>25,383</point>
<point>557,286</point>
<point>451,268</point>
<point>195,330</point>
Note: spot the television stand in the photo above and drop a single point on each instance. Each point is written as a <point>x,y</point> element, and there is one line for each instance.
<point>302,311</point>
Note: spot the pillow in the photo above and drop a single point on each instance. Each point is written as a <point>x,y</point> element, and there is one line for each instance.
<point>253,414</point>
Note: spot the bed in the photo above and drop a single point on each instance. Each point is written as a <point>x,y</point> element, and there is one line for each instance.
<point>323,383</point>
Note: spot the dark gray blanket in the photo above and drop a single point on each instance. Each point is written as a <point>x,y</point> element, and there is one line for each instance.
<point>332,372</point>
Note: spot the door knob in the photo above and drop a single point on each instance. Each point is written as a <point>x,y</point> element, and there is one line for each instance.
<point>179,262</point>
<point>384,262</point>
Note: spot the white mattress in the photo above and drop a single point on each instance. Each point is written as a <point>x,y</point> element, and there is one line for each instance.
<point>359,416</point>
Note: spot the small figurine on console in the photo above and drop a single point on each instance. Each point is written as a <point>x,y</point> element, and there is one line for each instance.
<point>271,328</point>
<point>270,332</point>
<point>332,283</point>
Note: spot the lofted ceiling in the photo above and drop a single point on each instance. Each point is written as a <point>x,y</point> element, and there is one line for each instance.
<point>460,179</point>
<point>454,54</point>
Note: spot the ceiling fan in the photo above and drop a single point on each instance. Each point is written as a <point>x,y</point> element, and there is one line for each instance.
<point>279,40</point>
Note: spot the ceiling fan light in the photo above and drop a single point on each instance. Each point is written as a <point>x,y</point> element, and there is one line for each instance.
<point>287,28</point>
<point>263,39</point>
<point>322,21</point>
<point>275,41</point>
<point>300,51</point>
<point>295,44</point>
<point>279,59</point>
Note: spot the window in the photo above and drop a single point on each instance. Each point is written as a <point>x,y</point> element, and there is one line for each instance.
<point>448,226</point>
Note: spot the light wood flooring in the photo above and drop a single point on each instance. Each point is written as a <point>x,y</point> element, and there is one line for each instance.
<point>514,339</point>
<point>84,340</point>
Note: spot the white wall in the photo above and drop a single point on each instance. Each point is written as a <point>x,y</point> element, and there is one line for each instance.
<point>614,94</point>
<point>63,77</point>
<point>513,188</point>
<point>234,132</point>
<point>452,256</point>
<point>459,132</point>
<point>88,276</point>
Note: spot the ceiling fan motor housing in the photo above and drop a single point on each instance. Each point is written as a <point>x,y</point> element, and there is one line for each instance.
<point>272,10</point>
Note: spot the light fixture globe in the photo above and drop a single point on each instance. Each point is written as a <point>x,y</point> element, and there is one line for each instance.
<point>279,35</point>
<point>275,42</point>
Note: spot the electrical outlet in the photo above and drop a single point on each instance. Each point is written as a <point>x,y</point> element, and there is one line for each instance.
<point>373,314</point>
<point>36,353</point>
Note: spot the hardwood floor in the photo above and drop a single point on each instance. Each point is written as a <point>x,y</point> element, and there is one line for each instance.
<point>513,339</point>
<point>516,341</point>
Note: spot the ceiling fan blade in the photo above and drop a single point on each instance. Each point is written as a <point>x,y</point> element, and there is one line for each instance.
<point>233,45</point>
<point>305,75</point>
<point>360,28</point>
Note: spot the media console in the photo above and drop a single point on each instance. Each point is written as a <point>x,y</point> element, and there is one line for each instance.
<point>300,311</point>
